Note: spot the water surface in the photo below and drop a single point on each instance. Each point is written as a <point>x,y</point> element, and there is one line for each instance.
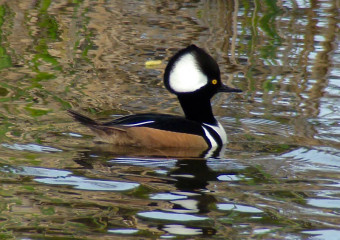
<point>278,178</point>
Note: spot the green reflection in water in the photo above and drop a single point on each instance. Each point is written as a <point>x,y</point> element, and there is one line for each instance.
<point>48,33</point>
<point>261,19</point>
<point>29,98</point>
<point>36,112</point>
<point>268,24</point>
<point>5,60</point>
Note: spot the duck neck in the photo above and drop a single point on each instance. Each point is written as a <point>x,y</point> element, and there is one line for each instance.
<point>197,108</point>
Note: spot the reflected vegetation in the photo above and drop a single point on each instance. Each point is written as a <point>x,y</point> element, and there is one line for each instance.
<point>278,177</point>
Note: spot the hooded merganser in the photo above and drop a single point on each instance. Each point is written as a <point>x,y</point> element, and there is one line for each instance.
<point>194,76</point>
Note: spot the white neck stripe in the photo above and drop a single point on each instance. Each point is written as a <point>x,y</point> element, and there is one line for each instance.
<point>219,130</point>
<point>211,139</point>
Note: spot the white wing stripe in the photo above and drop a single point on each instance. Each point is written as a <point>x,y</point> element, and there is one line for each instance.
<point>137,124</point>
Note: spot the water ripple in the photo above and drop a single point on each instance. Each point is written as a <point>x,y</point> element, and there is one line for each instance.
<point>62,177</point>
<point>181,217</point>
<point>30,147</point>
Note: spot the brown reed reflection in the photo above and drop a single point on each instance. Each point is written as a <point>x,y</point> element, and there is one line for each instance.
<point>282,161</point>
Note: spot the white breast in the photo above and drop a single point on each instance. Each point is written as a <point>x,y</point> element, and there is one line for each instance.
<point>219,130</point>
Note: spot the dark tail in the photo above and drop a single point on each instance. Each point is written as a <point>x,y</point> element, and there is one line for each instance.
<point>82,119</point>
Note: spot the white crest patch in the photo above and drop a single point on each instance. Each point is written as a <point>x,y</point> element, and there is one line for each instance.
<point>186,76</point>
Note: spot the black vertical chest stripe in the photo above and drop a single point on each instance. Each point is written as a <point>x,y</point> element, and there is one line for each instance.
<point>214,134</point>
<point>160,121</point>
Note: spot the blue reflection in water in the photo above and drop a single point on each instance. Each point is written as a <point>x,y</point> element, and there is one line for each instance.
<point>62,177</point>
<point>178,229</point>
<point>171,216</point>
<point>328,234</point>
<point>238,208</point>
<point>30,147</point>
<point>123,231</point>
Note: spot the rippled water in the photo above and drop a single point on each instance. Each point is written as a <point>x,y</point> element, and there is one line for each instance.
<point>278,178</point>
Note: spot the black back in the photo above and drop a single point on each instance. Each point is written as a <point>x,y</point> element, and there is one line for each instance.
<point>160,121</point>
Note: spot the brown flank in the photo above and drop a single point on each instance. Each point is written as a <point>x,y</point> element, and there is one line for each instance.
<point>140,136</point>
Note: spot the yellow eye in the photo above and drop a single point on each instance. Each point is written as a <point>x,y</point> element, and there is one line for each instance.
<point>214,81</point>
